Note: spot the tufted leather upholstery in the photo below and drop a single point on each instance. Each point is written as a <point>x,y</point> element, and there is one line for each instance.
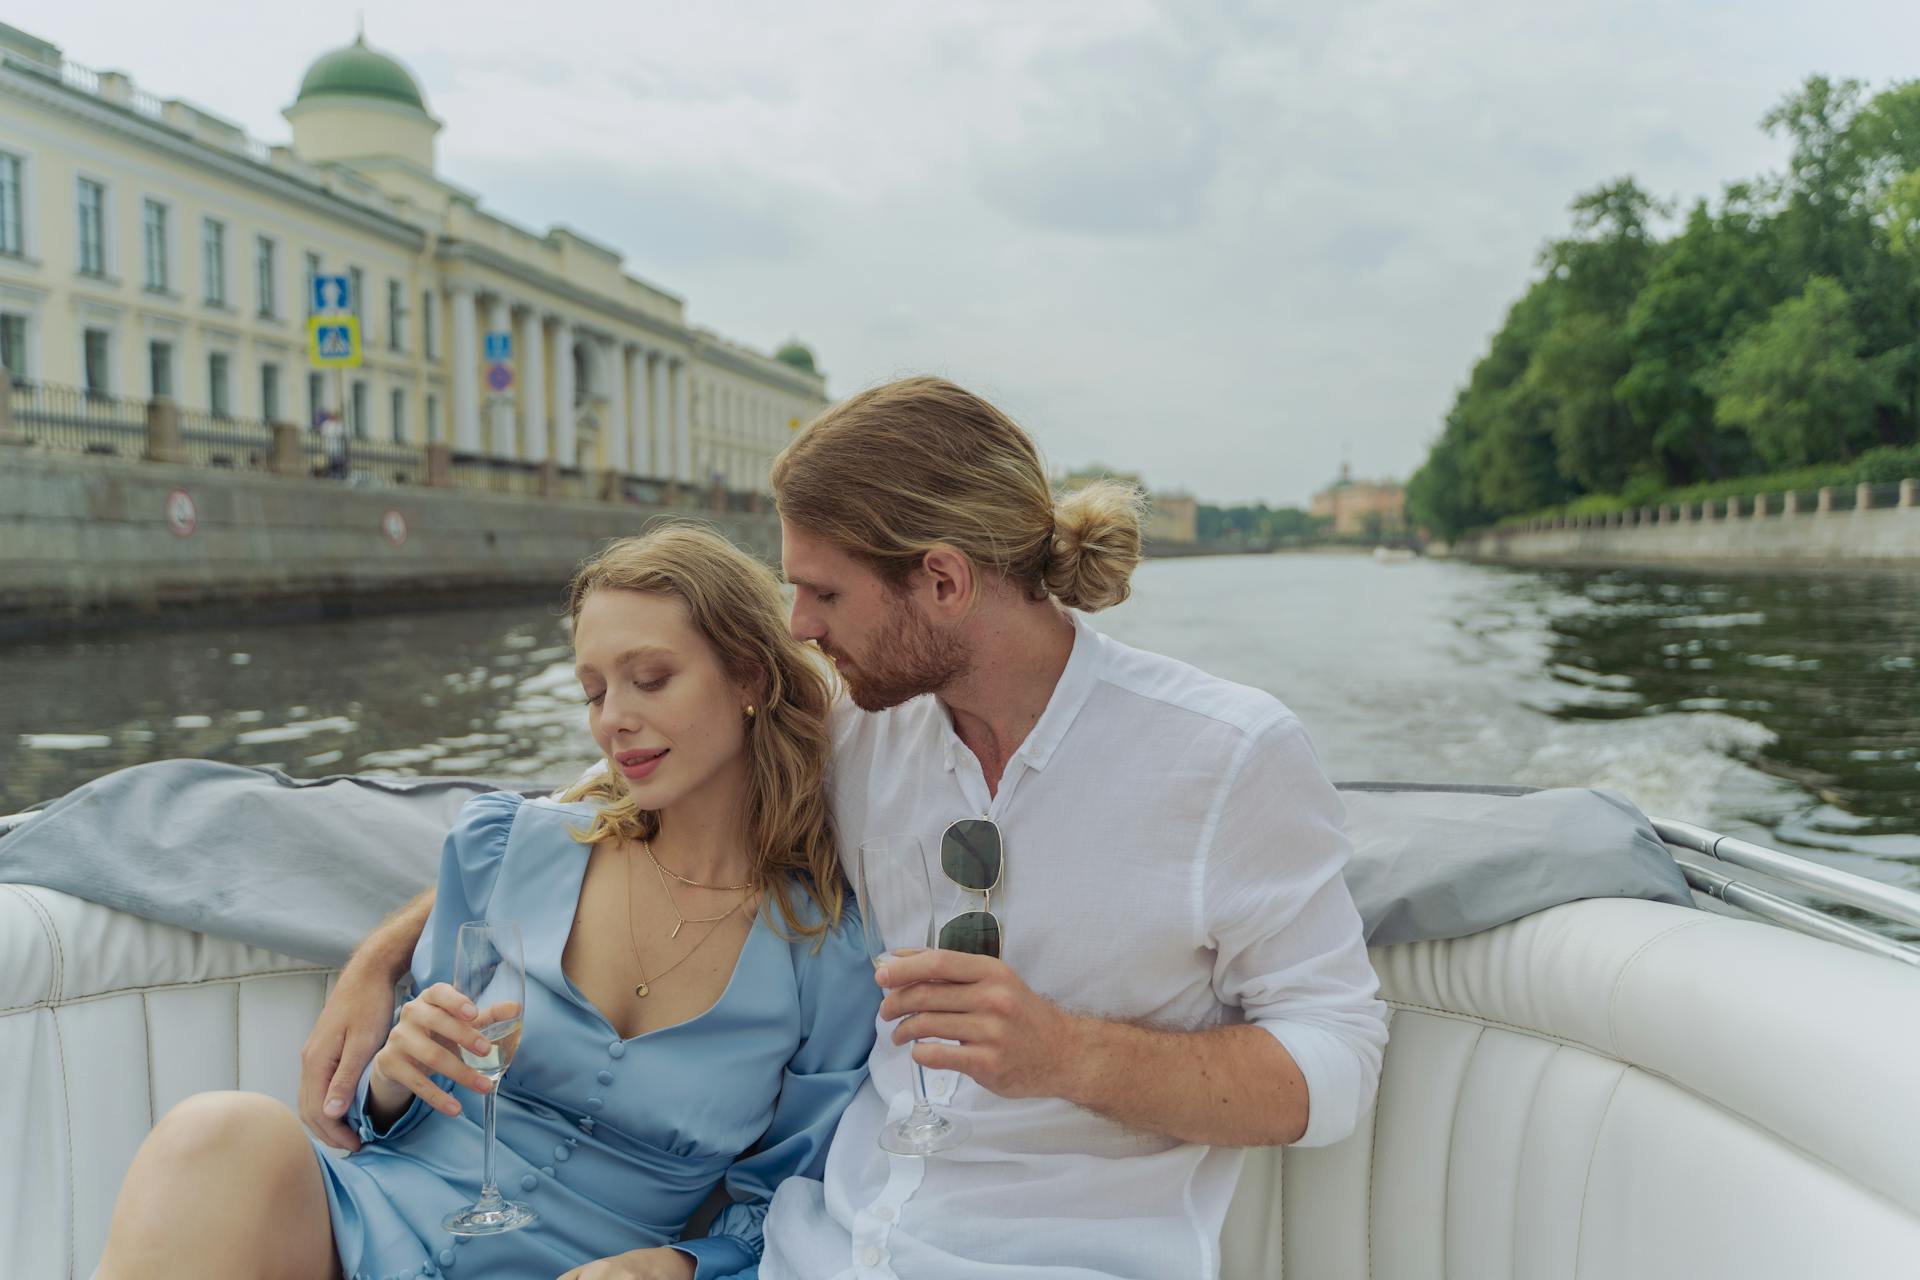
<point>1610,1090</point>
<point>1616,1090</point>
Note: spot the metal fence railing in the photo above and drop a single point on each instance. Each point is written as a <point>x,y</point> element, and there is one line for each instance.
<point>389,464</point>
<point>65,419</point>
<point>229,444</point>
<point>70,420</point>
<point>495,475</point>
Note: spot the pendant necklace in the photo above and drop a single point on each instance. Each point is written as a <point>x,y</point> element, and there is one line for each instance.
<point>644,987</point>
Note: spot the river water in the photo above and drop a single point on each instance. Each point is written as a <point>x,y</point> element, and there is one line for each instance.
<point>1782,707</point>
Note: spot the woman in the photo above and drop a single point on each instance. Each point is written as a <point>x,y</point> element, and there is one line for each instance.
<point>699,1005</point>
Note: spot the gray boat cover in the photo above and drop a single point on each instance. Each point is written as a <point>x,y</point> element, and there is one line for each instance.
<point>308,866</point>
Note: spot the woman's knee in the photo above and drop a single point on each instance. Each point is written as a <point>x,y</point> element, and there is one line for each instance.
<point>227,1126</point>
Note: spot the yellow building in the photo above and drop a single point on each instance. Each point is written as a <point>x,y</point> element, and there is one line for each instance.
<point>1358,507</point>
<point>1173,517</point>
<point>150,248</point>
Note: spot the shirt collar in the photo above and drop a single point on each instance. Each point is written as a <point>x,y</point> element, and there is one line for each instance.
<point>1070,693</point>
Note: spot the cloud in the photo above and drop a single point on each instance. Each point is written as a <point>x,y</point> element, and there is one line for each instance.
<point>1110,138</point>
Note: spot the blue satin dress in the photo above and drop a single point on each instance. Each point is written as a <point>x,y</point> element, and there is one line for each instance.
<point>613,1141</point>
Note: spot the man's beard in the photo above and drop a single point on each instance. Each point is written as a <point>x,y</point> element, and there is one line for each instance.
<point>906,659</point>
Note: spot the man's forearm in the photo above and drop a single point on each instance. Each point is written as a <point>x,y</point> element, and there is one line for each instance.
<point>1224,1087</point>
<point>387,951</point>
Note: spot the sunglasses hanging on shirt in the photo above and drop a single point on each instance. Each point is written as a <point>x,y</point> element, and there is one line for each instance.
<point>972,856</point>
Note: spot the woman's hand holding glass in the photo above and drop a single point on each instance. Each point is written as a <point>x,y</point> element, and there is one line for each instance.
<point>426,1041</point>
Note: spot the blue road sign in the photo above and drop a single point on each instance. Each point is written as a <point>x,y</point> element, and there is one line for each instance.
<point>499,348</point>
<point>332,293</point>
<point>333,341</point>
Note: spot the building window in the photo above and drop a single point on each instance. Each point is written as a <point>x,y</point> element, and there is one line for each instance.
<point>433,417</point>
<point>399,416</point>
<point>153,238</point>
<point>428,342</point>
<point>396,312</point>
<point>213,251</point>
<point>219,397</point>
<point>270,392</point>
<point>93,353</point>
<point>313,273</point>
<point>316,398</point>
<point>357,287</point>
<point>265,268</point>
<point>93,228</point>
<point>13,346</point>
<point>360,410</point>
<point>159,369</point>
<point>12,234</point>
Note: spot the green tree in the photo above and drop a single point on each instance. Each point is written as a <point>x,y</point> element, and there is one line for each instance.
<point>1713,282</point>
<point>1797,385</point>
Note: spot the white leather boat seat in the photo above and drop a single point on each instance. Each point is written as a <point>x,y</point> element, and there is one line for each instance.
<point>1610,1090</point>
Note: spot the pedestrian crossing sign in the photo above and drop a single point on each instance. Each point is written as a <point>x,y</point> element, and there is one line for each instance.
<point>333,342</point>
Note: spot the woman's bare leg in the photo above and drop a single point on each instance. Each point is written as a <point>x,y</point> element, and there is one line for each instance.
<point>225,1185</point>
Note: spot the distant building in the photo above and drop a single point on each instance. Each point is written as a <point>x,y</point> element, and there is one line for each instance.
<point>1360,507</point>
<point>1173,517</point>
<point>149,248</point>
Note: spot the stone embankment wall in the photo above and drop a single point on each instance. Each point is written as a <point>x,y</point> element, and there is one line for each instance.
<point>1825,528</point>
<point>86,541</point>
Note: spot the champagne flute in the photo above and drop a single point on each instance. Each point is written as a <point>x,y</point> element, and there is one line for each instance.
<point>488,969</point>
<point>896,916</point>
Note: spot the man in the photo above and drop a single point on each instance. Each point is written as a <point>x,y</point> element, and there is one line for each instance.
<point>1180,969</point>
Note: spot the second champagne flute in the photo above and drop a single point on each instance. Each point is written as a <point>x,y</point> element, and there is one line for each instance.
<point>896,915</point>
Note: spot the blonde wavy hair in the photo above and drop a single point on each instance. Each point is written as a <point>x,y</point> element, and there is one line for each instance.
<point>734,602</point>
<point>890,473</point>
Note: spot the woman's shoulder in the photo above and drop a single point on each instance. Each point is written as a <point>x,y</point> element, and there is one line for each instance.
<point>485,822</point>
<point>802,921</point>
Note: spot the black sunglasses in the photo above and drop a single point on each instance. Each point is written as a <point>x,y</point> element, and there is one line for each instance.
<point>971,856</point>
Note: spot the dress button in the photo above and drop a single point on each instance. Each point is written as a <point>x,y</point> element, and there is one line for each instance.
<point>884,1213</point>
<point>605,1077</point>
<point>528,1182</point>
<point>594,1104</point>
<point>562,1153</point>
<point>446,1258</point>
<point>586,1125</point>
<point>617,1050</point>
<point>871,1258</point>
<point>547,1169</point>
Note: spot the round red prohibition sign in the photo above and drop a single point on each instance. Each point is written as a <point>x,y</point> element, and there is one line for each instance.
<point>393,527</point>
<point>182,516</point>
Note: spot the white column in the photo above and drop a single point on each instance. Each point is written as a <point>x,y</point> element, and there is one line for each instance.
<point>683,421</point>
<point>620,418</point>
<point>499,407</point>
<point>565,451</point>
<point>532,361</point>
<point>466,371</point>
<point>640,426</point>
<point>659,432</point>
<point>678,438</point>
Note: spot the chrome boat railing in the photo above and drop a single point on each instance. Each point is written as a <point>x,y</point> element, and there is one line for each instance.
<point>1704,856</point>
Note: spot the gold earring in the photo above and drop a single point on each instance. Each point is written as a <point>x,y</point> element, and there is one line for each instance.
<point>749,711</point>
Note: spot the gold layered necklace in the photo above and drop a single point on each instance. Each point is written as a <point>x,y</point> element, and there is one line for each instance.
<point>644,987</point>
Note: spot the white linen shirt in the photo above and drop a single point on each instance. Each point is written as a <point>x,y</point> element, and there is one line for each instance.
<point>1172,854</point>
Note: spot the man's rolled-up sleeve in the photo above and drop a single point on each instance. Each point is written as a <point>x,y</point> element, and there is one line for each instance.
<point>1288,947</point>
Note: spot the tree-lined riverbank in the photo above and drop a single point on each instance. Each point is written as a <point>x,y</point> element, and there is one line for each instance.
<point>1778,327</point>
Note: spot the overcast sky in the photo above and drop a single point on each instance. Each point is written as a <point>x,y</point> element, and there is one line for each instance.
<point>1219,242</point>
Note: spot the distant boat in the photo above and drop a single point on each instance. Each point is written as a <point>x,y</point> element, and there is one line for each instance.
<point>1392,555</point>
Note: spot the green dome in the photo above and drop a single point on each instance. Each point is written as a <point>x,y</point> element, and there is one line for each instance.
<point>358,72</point>
<point>796,355</point>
